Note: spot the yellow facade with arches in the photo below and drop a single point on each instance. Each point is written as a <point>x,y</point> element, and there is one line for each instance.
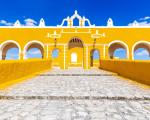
<point>75,44</point>
<point>80,40</point>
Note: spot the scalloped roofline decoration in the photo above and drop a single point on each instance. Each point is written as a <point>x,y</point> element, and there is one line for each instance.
<point>70,21</point>
<point>83,23</point>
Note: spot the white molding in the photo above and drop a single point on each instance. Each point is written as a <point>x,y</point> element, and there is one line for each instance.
<point>87,51</point>
<point>47,51</point>
<point>64,56</point>
<point>135,44</point>
<point>97,44</point>
<point>59,44</point>
<point>119,41</point>
<point>57,27</point>
<point>104,51</point>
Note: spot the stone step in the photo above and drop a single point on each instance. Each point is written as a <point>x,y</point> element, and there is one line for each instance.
<point>77,74</point>
<point>72,98</point>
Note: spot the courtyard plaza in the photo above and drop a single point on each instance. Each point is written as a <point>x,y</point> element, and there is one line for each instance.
<point>76,94</point>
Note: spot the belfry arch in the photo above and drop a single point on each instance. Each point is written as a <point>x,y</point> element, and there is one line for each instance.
<point>76,52</point>
<point>113,46</point>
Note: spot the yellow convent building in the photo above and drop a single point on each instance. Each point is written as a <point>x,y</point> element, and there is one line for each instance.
<point>75,44</point>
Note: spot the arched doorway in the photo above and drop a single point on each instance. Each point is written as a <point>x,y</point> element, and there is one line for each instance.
<point>118,50</point>
<point>141,50</point>
<point>95,57</point>
<point>75,52</point>
<point>34,49</point>
<point>10,50</point>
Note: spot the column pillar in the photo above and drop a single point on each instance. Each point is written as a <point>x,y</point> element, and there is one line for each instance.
<point>130,54</point>
<point>45,54</point>
<point>86,57</point>
<point>21,55</point>
<point>0,55</point>
<point>106,51</point>
<point>63,57</point>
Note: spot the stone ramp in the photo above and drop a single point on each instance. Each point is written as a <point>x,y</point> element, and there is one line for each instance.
<point>78,83</point>
<point>75,94</point>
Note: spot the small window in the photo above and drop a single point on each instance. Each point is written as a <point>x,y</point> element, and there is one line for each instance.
<point>74,58</point>
<point>55,53</point>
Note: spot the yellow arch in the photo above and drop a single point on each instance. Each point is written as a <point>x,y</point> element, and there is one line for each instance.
<point>133,47</point>
<point>28,44</point>
<point>121,42</point>
<point>2,45</point>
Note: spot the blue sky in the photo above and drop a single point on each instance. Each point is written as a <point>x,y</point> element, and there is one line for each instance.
<point>29,12</point>
<point>122,12</point>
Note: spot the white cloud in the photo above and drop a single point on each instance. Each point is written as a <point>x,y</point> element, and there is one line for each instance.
<point>27,22</point>
<point>142,53</point>
<point>35,52</point>
<point>4,22</point>
<point>30,22</point>
<point>143,23</point>
<point>145,18</point>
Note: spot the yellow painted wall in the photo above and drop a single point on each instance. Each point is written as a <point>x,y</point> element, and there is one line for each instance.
<point>24,35</point>
<point>13,71</point>
<point>135,70</point>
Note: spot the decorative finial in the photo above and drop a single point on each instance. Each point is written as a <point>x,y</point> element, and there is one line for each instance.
<point>110,22</point>
<point>17,23</point>
<point>76,12</point>
<point>42,23</point>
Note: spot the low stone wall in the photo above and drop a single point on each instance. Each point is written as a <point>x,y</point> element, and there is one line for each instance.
<point>13,71</point>
<point>135,70</point>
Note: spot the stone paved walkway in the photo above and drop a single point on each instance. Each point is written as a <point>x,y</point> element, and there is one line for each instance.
<point>75,94</point>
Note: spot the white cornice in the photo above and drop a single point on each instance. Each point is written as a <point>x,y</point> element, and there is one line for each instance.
<point>56,27</point>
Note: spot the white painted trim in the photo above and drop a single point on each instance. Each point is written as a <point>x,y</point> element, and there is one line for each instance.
<point>98,44</point>
<point>64,57</point>
<point>87,56</point>
<point>47,51</point>
<point>0,55</point>
<point>76,63</point>
<point>133,47</point>
<point>37,27</point>
<point>118,41</point>
<point>29,43</point>
<point>104,51</point>
<point>2,45</point>
<point>59,44</point>
<point>75,67</point>
<point>53,44</point>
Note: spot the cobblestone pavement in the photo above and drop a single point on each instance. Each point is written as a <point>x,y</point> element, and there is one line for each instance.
<point>75,94</point>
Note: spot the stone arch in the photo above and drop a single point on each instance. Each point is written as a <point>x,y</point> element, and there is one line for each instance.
<point>92,56</point>
<point>140,44</point>
<point>114,45</point>
<point>34,44</point>
<point>5,46</point>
